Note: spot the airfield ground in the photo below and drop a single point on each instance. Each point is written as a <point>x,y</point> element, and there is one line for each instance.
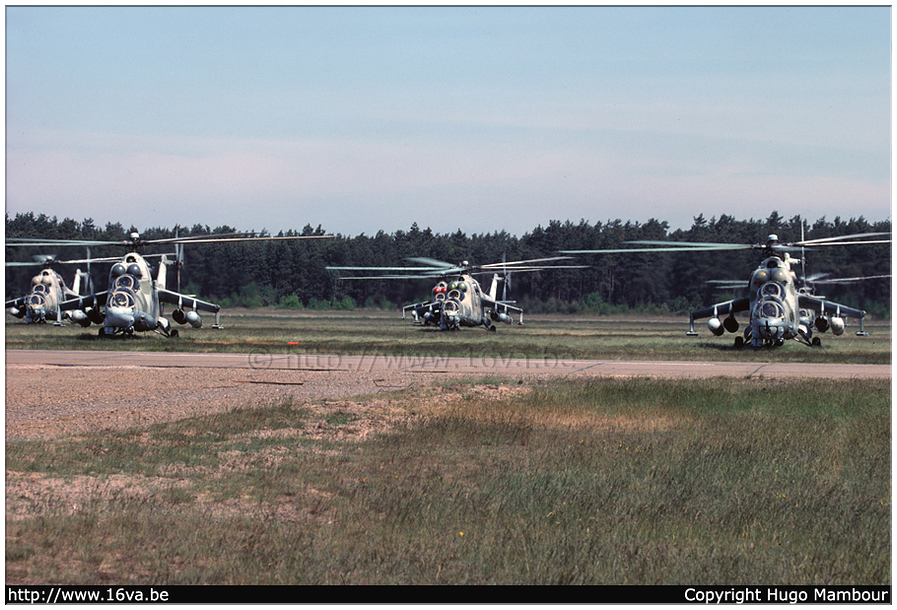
<point>52,393</point>
<point>73,387</point>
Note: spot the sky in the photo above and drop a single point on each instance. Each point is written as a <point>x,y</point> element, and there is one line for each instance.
<point>472,118</point>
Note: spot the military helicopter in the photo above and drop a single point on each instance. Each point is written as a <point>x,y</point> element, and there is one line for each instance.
<point>777,308</point>
<point>48,291</point>
<point>136,290</point>
<point>457,299</point>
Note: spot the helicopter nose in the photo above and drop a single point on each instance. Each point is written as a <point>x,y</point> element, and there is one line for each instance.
<point>770,329</point>
<point>119,317</point>
<point>37,314</point>
<point>451,313</point>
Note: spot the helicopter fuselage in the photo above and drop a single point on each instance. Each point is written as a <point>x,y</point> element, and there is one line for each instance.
<point>132,302</point>
<point>778,310</point>
<point>41,304</point>
<point>461,302</point>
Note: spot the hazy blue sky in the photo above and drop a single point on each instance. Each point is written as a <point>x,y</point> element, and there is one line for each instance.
<point>474,118</point>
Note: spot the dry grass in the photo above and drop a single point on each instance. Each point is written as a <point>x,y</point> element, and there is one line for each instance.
<point>384,333</point>
<point>586,482</point>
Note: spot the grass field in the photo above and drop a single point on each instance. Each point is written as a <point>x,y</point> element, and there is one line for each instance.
<point>375,332</point>
<point>598,481</point>
<point>589,482</point>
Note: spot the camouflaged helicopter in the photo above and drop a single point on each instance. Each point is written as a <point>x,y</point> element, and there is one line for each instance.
<point>136,291</point>
<point>457,299</point>
<point>778,310</point>
<point>48,291</point>
<point>820,320</point>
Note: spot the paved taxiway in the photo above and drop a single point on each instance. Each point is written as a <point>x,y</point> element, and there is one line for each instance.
<point>49,393</point>
<point>383,365</point>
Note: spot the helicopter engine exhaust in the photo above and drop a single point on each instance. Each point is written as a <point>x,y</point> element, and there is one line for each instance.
<point>837,325</point>
<point>715,326</point>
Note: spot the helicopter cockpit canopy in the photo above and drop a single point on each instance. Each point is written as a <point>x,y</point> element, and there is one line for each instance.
<point>123,297</point>
<point>773,290</point>
<point>127,281</point>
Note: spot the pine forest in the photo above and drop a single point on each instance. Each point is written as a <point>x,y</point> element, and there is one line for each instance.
<point>293,274</point>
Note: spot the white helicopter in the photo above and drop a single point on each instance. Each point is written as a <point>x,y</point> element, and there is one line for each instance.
<point>821,319</point>
<point>457,298</point>
<point>48,291</point>
<point>136,292</point>
<point>778,310</point>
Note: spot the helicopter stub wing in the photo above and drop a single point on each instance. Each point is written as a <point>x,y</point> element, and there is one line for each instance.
<point>90,300</point>
<point>828,307</point>
<point>19,302</point>
<point>499,305</point>
<point>832,314</point>
<point>719,309</point>
<point>186,302</point>
<point>726,307</point>
<point>418,309</point>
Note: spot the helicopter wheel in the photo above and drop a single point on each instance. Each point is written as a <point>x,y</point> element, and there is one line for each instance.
<point>739,342</point>
<point>816,342</point>
<point>173,333</point>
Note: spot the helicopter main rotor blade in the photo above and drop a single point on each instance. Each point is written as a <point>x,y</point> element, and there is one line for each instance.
<point>209,239</point>
<point>31,241</point>
<point>850,280</point>
<point>421,269</point>
<point>705,248</point>
<point>431,261</point>
<point>842,238</point>
<point>526,269</point>
<point>196,239</point>
<point>529,262</point>
<point>386,277</point>
<point>65,262</point>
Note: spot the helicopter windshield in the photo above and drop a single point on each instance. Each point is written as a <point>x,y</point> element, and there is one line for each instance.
<point>128,282</point>
<point>771,309</point>
<point>35,300</point>
<point>772,289</point>
<point>123,297</point>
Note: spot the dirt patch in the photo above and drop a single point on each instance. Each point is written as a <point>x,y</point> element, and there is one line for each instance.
<point>47,402</point>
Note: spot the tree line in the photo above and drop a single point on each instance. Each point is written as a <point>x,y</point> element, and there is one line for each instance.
<point>293,274</point>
